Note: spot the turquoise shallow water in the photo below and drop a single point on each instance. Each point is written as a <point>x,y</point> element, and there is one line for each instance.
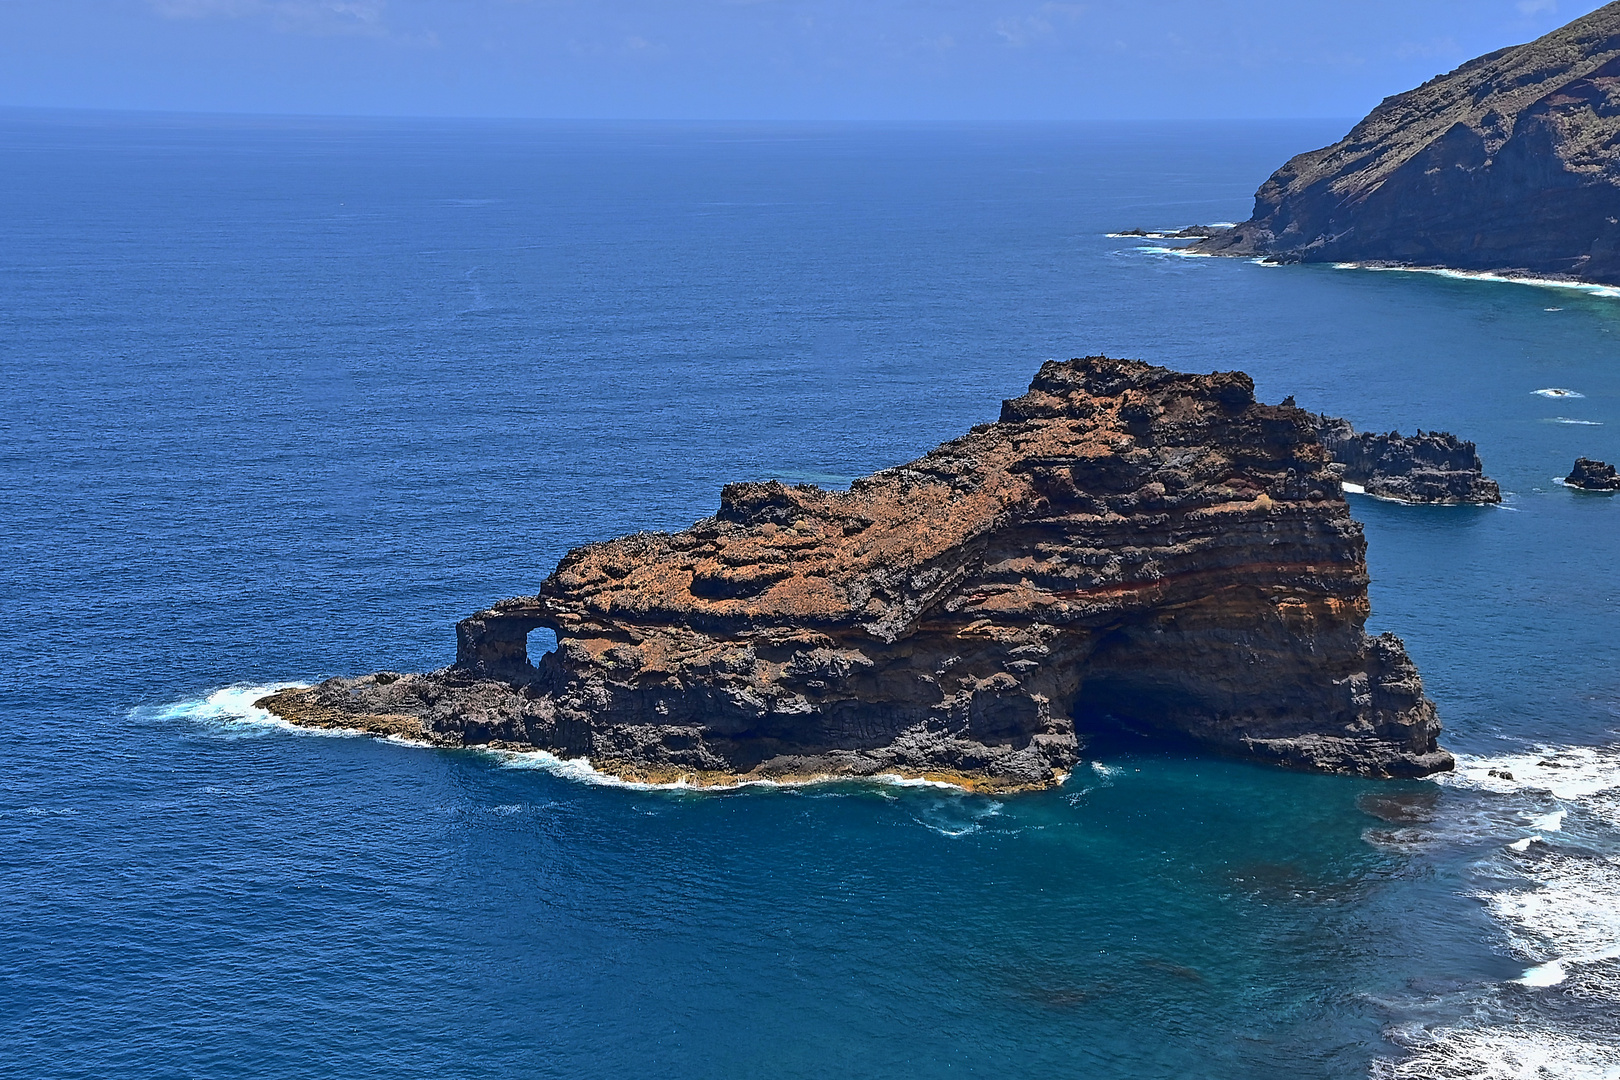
<point>286,398</point>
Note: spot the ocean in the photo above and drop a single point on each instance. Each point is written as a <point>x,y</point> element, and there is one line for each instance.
<point>284,398</point>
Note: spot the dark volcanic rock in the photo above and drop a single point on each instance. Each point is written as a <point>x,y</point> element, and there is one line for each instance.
<point>1589,475</point>
<point>1510,163</point>
<point>1191,232</point>
<point>1127,547</point>
<point>1429,467</point>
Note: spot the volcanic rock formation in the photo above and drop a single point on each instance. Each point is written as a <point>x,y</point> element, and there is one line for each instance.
<point>1429,467</point>
<point>1128,547</point>
<point>1510,163</point>
<point>1589,475</point>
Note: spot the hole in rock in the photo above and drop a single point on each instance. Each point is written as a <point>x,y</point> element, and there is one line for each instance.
<point>541,641</point>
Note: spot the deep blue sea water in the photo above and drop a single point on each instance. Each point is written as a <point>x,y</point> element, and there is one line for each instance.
<point>285,398</point>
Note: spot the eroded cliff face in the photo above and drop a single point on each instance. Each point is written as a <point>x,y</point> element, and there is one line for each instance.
<point>1510,163</point>
<point>1128,547</point>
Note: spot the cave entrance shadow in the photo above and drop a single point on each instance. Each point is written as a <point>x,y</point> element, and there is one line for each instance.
<point>1127,716</point>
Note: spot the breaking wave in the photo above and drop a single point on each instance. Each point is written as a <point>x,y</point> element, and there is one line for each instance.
<point>230,708</point>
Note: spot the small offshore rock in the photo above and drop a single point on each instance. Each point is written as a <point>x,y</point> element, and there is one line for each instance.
<point>1589,475</point>
<point>1429,467</point>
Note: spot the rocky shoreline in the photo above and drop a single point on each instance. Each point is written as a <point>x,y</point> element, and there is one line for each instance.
<point>1127,549</point>
<point>336,705</point>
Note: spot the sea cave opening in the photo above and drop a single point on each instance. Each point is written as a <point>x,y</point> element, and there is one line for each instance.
<point>1124,713</point>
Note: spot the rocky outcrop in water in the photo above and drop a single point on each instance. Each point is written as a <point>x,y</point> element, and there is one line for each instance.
<point>1127,548</point>
<point>1429,467</point>
<point>1510,163</point>
<point>1191,232</point>
<point>1589,475</point>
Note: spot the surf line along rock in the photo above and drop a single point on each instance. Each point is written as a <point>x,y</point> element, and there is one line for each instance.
<point>1128,547</point>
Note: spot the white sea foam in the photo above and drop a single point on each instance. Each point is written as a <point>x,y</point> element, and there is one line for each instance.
<point>1552,822</point>
<point>1566,772</point>
<point>230,706</point>
<point>947,819</point>
<point>1502,1053</point>
<point>1354,489</point>
<point>1570,919</point>
<point>1566,920</point>
<point>1558,392</point>
<point>1484,275</point>
<point>1570,420</point>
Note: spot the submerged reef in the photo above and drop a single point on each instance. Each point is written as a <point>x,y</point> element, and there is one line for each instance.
<point>1509,164</point>
<point>1127,549</point>
<point>1429,467</point>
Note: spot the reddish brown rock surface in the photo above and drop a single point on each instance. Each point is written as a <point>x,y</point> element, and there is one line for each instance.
<point>1127,548</point>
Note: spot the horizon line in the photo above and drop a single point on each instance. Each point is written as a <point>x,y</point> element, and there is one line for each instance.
<point>801,121</point>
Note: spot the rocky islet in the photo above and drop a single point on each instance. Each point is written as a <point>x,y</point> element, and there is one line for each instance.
<point>1428,467</point>
<point>1589,475</point>
<point>1127,548</point>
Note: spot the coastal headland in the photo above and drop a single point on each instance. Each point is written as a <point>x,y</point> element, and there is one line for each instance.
<point>1127,549</point>
<point>1510,165</point>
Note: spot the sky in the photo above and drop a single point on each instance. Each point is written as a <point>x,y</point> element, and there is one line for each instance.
<point>790,60</point>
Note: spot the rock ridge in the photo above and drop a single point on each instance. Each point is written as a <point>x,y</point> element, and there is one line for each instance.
<point>1126,548</point>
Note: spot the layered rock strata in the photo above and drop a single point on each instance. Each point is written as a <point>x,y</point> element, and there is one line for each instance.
<point>1429,467</point>
<point>1511,163</point>
<point>1589,475</point>
<point>1126,548</point>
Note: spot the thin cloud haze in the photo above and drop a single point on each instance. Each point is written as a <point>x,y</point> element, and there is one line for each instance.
<point>968,60</point>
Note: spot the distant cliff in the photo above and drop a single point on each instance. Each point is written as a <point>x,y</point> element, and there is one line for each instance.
<point>1511,163</point>
<point>1127,548</point>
